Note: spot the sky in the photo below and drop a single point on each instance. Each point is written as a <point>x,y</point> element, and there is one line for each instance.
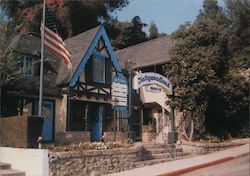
<point>167,14</point>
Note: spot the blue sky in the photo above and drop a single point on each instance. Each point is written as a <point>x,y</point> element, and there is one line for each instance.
<point>167,14</point>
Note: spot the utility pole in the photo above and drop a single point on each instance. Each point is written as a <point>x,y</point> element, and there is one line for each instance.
<point>130,92</point>
<point>130,86</point>
<point>172,135</point>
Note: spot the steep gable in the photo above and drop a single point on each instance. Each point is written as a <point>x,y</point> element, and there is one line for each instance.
<point>82,47</point>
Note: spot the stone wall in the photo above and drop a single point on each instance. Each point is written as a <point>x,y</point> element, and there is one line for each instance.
<point>94,162</point>
<point>203,148</point>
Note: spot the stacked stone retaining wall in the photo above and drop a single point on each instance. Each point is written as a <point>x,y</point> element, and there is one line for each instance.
<point>203,148</point>
<point>94,162</point>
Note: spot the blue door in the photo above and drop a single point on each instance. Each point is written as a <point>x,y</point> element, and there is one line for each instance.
<point>48,114</point>
<point>96,125</point>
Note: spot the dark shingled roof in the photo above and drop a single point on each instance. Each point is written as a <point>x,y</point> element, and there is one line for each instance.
<point>152,52</point>
<point>29,44</point>
<point>77,46</point>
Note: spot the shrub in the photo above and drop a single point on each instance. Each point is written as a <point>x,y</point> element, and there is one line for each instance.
<point>126,143</point>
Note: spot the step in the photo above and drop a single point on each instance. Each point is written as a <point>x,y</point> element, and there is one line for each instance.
<point>11,172</point>
<point>154,146</point>
<point>152,162</point>
<point>155,151</point>
<point>4,166</point>
<point>151,156</point>
<point>157,161</point>
<point>177,154</point>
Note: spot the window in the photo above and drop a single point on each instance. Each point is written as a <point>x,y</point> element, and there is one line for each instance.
<point>77,118</point>
<point>27,65</point>
<point>99,69</point>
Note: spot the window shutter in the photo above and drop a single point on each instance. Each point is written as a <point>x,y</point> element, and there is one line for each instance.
<point>89,70</point>
<point>108,71</point>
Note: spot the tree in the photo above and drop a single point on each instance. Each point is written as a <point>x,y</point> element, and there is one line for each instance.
<point>124,34</point>
<point>73,17</point>
<point>209,73</point>
<point>136,33</point>
<point>9,68</point>
<point>236,82</point>
<point>196,63</point>
<point>153,31</point>
<point>212,11</point>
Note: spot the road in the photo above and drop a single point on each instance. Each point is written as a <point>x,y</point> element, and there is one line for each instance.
<point>235,167</point>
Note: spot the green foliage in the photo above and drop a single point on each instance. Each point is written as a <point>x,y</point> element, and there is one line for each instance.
<point>210,67</point>
<point>9,66</point>
<point>238,12</point>
<point>211,10</point>
<point>124,34</point>
<point>197,62</point>
<point>73,17</point>
<point>153,31</point>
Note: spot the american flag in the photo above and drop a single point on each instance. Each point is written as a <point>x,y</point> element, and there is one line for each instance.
<point>53,41</point>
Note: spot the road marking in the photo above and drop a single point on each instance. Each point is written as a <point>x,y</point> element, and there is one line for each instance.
<point>189,169</point>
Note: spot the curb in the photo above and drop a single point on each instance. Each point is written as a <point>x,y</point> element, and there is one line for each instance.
<point>189,169</point>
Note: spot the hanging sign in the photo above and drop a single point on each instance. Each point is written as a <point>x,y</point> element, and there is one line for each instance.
<point>119,92</point>
<point>148,78</point>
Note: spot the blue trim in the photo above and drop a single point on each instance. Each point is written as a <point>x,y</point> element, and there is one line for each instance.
<point>121,108</point>
<point>100,33</point>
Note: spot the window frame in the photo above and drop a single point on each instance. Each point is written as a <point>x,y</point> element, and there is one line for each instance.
<point>26,62</point>
<point>102,60</point>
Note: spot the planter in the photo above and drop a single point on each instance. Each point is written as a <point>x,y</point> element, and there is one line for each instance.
<point>148,136</point>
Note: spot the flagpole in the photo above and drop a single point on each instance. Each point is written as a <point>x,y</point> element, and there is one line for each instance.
<point>41,65</point>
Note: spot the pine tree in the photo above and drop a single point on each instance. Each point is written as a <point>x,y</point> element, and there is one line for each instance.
<point>153,31</point>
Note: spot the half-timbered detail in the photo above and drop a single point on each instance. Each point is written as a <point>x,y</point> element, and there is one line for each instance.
<point>89,88</point>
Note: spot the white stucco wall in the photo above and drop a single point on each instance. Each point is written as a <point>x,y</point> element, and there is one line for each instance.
<point>154,97</point>
<point>61,115</point>
<point>33,161</point>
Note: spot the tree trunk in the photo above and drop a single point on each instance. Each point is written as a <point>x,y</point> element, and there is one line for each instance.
<point>190,137</point>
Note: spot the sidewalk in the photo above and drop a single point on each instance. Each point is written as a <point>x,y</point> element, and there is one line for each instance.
<point>188,164</point>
